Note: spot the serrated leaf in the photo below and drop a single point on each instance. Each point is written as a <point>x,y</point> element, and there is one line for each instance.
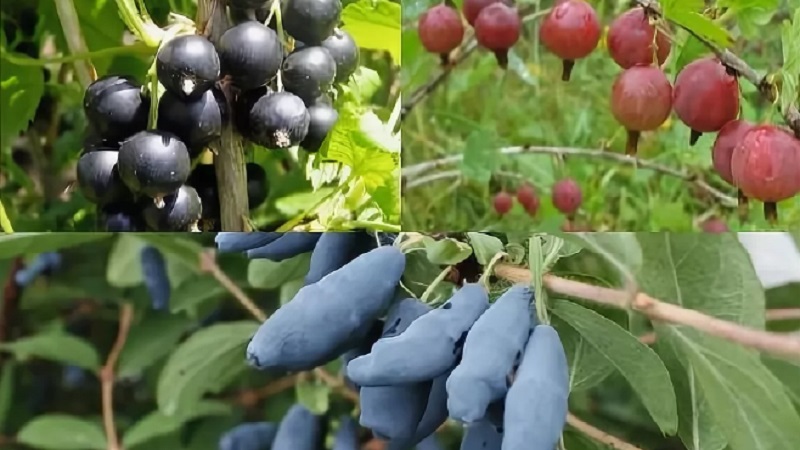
<point>62,432</point>
<point>363,84</point>
<point>314,395</point>
<point>485,246</point>
<point>790,40</point>
<point>480,156</point>
<point>158,424</point>
<point>21,88</point>
<point>149,341</point>
<point>55,346</point>
<point>635,361</point>
<point>374,24</point>
<point>18,244</point>
<point>447,251</point>
<point>266,274</point>
<point>199,363</point>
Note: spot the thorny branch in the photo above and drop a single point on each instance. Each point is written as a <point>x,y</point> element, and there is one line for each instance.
<point>781,344</point>
<point>107,376</point>
<point>411,172</point>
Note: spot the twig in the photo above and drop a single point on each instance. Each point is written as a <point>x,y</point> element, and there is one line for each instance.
<point>250,397</point>
<point>75,41</point>
<point>599,435</point>
<point>209,265</point>
<point>737,64</point>
<point>781,344</point>
<point>411,173</point>
<point>772,315</point>
<point>107,376</point>
<point>337,384</point>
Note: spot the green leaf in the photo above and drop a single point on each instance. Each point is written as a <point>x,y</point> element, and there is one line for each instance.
<point>62,432</point>
<point>290,289</point>
<point>7,378</point>
<point>485,246</point>
<point>21,88</point>
<point>124,267</point>
<point>157,424</point>
<point>149,341</point>
<point>314,395</point>
<point>790,39</point>
<point>622,250</point>
<point>55,346</point>
<point>788,372</point>
<point>193,292</point>
<point>480,157</point>
<point>266,274</point>
<point>374,24</point>
<point>587,366</point>
<point>700,25</point>
<point>447,251</point>
<point>751,15</point>
<point>18,244</point>
<point>186,251</point>
<point>637,362</point>
<point>200,362</point>
<point>691,50</point>
<point>363,84</point>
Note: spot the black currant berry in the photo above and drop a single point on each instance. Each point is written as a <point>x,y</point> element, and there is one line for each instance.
<point>204,180</point>
<point>196,122</point>
<point>98,177</point>
<point>344,51</point>
<point>311,21</point>
<point>181,212</point>
<point>187,65</point>
<point>322,119</point>
<point>278,120</point>
<point>116,108</point>
<point>257,186</point>
<point>154,163</point>
<point>251,54</point>
<point>308,72</point>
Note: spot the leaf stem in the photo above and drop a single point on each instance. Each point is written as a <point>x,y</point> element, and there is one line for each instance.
<point>429,290</point>
<point>68,17</point>
<point>489,270</point>
<point>208,264</point>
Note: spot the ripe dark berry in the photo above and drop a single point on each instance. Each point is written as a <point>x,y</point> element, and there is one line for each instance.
<point>310,21</point>
<point>633,41</point>
<point>526,196</point>
<point>196,122</point>
<point>98,177</point>
<point>154,163</point>
<point>571,31</point>
<point>278,120</point>
<point>116,108</point>
<point>181,211</point>
<point>472,8</point>
<point>250,54</point>
<point>766,166</point>
<point>727,139</point>
<point>567,196</point>
<point>344,51</point>
<point>706,96</point>
<point>187,65</point>
<point>440,29</point>
<point>502,203</point>
<point>322,118</point>
<point>641,100</point>
<point>257,186</point>
<point>715,225</point>
<point>308,72</point>
<point>497,29</point>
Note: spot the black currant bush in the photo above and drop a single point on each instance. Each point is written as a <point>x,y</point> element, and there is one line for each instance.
<point>378,341</point>
<point>208,115</point>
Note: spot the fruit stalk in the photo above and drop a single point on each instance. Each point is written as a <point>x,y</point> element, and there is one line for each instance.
<point>229,161</point>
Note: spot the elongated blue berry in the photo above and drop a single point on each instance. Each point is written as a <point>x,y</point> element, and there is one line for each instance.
<point>286,246</point>
<point>536,404</point>
<point>493,345</point>
<point>429,347</point>
<point>231,242</point>
<point>249,436</point>
<point>408,400</point>
<point>333,250</point>
<point>326,318</point>
<point>481,435</point>
<point>435,413</point>
<point>156,280</point>
<point>373,333</point>
<point>346,437</point>
<point>299,430</point>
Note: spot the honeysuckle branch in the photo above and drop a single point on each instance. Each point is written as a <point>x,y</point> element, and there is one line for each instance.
<point>737,64</point>
<point>411,174</point>
<point>599,435</point>
<point>779,344</point>
<point>106,374</point>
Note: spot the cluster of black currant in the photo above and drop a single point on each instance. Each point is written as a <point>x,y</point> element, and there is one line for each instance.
<point>145,179</point>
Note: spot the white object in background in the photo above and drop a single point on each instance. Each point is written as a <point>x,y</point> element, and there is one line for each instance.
<point>775,257</point>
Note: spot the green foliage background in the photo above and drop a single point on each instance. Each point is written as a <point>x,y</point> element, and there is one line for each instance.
<point>180,385</point>
<point>479,110</point>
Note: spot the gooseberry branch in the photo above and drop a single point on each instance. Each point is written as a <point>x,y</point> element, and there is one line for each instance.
<point>413,175</point>
<point>779,344</point>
